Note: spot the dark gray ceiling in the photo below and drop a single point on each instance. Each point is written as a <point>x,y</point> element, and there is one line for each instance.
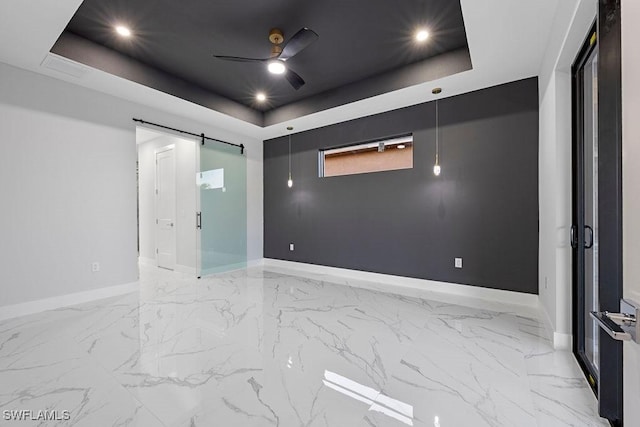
<point>358,39</point>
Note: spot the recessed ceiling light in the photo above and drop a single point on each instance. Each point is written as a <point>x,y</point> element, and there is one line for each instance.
<point>422,35</point>
<point>123,31</point>
<point>261,97</point>
<point>276,67</point>
<point>401,146</point>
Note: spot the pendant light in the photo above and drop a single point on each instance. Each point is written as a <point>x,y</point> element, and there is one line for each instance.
<point>290,181</point>
<point>436,167</point>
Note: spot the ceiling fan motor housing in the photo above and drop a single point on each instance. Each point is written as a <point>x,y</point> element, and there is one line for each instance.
<point>276,38</point>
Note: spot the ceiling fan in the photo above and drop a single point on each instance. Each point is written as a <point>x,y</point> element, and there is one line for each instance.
<point>280,55</point>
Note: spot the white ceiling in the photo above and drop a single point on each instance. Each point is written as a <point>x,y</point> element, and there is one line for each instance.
<point>507,40</point>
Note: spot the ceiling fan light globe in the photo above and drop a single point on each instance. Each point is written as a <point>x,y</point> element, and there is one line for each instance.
<point>276,67</point>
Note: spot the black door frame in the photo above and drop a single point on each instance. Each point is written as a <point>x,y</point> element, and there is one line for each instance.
<point>609,387</point>
<point>578,222</point>
<point>610,201</point>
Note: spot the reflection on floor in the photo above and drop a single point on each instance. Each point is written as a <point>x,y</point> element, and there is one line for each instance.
<point>262,348</point>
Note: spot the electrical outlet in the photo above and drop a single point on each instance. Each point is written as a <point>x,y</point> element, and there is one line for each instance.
<point>458,262</point>
<point>95,267</point>
<point>291,246</point>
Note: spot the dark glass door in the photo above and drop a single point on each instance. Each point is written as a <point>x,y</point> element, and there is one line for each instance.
<point>596,232</point>
<point>584,232</point>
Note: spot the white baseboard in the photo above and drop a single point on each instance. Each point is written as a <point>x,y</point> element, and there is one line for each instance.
<point>255,263</point>
<point>151,262</point>
<point>547,323</point>
<point>562,341</point>
<point>495,295</point>
<point>37,306</point>
<point>559,340</point>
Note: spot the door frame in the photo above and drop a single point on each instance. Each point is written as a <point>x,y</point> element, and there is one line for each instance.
<point>608,388</point>
<point>170,147</point>
<point>610,399</point>
<point>577,210</point>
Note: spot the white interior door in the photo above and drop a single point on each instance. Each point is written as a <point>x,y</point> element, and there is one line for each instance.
<point>631,197</point>
<point>166,208</point>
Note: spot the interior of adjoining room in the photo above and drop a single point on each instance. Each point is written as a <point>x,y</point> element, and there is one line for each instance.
<point>167,159</point>
<point>192,202</point>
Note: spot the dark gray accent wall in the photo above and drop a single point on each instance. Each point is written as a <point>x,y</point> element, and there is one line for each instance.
<point>483,207</point>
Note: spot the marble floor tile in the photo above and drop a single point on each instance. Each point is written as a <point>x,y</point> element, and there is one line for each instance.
<point>266,347</point>
<point>56,374</point>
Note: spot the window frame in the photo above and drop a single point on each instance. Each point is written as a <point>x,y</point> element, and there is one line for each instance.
<point>406,138</point>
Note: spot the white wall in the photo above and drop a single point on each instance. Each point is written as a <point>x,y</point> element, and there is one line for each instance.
<point>573,21</point>
<point>631,196</point>
<point>547,163</point>
<point>68,186</point>
<point>185,221</point>
<point>255,195</point>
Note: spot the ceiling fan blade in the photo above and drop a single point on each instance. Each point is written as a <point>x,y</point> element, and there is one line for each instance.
<point>240,59</point>
<point>294,79</point>
<point>297,43</point>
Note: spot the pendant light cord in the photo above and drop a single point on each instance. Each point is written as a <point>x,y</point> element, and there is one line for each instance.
<point>437,133</point>
<point>289,156</point>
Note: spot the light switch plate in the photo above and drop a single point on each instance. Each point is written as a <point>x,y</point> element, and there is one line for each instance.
<point>291,246</point>
<point>458,262</point>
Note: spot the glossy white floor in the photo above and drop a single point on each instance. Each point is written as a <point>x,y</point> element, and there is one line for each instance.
<point>261,348</point>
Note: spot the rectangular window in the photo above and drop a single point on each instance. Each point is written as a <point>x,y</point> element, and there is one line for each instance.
<point>373,156</point>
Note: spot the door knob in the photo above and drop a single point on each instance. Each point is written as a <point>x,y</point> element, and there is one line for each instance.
<point>621,326</point>
<point>171,225</point>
